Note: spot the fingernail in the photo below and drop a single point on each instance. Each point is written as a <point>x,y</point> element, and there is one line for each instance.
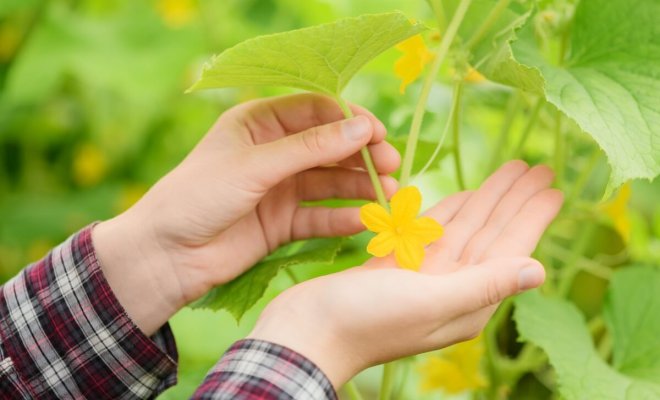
<point>530,277</point>
<point>356,128</point>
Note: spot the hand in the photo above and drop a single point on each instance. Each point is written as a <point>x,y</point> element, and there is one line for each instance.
<point>236,197</point>
<point>375,313</point>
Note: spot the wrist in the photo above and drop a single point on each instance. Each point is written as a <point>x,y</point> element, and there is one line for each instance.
<point>141,275</point>
<point>312,337</point>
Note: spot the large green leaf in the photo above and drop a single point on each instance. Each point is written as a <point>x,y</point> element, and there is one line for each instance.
<point>632,314</point>
<point>559,329</point>
<point>239,295</point>
<point>490,52</point>
<point>610,81</point>
<point>321,58</point>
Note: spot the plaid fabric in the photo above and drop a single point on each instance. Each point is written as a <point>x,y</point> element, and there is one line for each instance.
<point>63,334</point>
<point>254,369</point>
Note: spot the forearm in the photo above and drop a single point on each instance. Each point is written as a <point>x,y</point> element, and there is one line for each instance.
<point>63,333</point>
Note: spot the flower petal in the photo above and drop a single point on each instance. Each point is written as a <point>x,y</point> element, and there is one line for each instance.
<point>405,205</point>
<point>409,252</point>
<point>382,244</point>
<point>375,217</point>
<point>426,229</point>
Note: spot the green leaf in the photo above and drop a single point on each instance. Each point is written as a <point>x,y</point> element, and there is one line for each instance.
<point>491,53</point>
<point>239,295</point>
<point>321,58</point>
<point>559,329</point>
<point>632,314</point>
<point>610,81</point>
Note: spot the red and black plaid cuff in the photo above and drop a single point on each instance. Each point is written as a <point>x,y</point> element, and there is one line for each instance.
<point>63,333</point>
<point>255,369</point>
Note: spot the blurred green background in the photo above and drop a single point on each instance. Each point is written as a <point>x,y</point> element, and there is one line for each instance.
<point>93,112</point>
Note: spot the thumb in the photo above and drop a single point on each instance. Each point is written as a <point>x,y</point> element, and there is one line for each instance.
<point>487,284</point>
<point>314,147</point>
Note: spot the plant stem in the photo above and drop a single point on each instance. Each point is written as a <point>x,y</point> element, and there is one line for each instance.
<point>531,122</point>
<point>456,125</point>
<point>571,267</point>
<point>581,181</point>
<point>445,130</point>
<point>387,381</point>
<point>368,161</point>
<point>418,115</point>
<point>512,109</point>
<point>352,391</point>
<point>494,15</point>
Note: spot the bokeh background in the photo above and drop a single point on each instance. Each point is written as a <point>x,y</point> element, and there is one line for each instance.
<point>93,112</point>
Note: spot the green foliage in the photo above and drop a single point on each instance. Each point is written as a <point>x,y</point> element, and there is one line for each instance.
<point>631,314</point>
<point>559,329</point>
<point>608,81</point>
<point>239,295</point>
<point>321,59</point>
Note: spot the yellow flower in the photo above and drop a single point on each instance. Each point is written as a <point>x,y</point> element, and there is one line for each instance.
<point>176,13</point>
<point>411,63</point>
<point>89,165</point>
<point>400,231</point>
<point>474,76</point>
<point>455,369</point>
<point>617,210</point>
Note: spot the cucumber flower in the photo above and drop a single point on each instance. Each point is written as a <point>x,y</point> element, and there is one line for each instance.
<point>400,231</point>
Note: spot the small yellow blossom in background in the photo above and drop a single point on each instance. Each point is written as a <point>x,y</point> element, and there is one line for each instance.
<point>411,63</point>
<point>474,76</point>
<point>454,369</point>
<point>176,13</point>
<point>9,40</point>
<point>617,211</point>
<point>89,165</point>
<point>400,231</point>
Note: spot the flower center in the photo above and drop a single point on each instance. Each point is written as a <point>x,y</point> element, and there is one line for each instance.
<point>398,230</point>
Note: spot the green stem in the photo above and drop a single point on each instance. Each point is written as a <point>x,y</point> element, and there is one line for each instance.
<point>531,122</point>
<point>571,267</point>
<point>493,357</point>
<point>445,130</point>
<point>456,125</point>
<point>352,391</point>
<point>439,12</point>
<point>418,115</point>
<point>494,15</point>
<point>512,109</point>
<point>368,161</point>
<point>583,178</point>
<point>387,381</point>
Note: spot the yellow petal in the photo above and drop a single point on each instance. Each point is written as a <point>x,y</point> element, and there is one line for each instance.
<point>409,252</point>
<point>405,205</point>
<point>455,369</point>
<point>382,244</point>
<point>375,217</point>
<point>474,76</point>
<point>426,229</point>
<point>411,63</point>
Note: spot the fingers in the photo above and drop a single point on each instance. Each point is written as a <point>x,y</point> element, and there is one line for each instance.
<point>272,162</point>
<point>533,181</point>
<point>445,210</point>
<point>325,222</point>
<point>273,118</point>
<point>476,211</point>
<point>386,158</point>
<point>523,232</point>
<point>327,183</point>
<point>479,286</point>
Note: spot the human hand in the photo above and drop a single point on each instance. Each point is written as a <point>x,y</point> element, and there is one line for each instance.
<point>375,313</point>
<point>236,197</point>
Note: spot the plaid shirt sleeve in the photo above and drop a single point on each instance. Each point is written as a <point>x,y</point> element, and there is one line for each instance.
<point>63,334</point>
<point>254,369</point>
